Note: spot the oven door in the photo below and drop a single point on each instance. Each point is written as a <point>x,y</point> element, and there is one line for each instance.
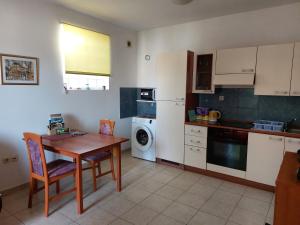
<point>227,148</point>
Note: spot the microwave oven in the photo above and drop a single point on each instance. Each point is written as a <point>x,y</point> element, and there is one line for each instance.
<point>147,94</point>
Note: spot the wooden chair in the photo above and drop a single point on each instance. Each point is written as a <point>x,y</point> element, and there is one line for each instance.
<point>48,173</point>
<point>106,127</point>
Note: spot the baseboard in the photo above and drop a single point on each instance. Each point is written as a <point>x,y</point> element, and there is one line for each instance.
<point>14,189</point>
<point>169,163</point>
<point>231,178</point>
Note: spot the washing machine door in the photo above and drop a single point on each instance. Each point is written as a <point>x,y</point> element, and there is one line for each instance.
<point>142,138</point>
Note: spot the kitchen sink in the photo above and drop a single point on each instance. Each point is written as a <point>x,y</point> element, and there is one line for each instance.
<point>294,130</point>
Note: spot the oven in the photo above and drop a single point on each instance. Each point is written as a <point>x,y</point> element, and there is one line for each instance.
<point>227,148</point>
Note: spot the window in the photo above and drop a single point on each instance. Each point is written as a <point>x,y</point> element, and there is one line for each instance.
<point>86,56</point>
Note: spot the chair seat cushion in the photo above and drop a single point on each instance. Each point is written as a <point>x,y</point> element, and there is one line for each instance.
<point>59,167</point>
<point>98,156</point>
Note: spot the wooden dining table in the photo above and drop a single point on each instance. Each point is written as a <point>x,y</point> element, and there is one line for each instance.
<point>78,147</point>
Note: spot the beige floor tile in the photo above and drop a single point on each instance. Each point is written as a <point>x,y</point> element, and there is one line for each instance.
<point>96,217</point>
<point>139,215</point>
<point>193,200</point>
<point>120,222</point>
<point>150,185</point>
<point>231,223</point>
<point>10,221</point>
<point>164,220</point>
<point>226,197</point>
<point>164,176</point>
<point>202,218</point>
<point>254,205</point>
<point>170,192</point>
<point>246,217</point>
<point>259,194</point>
<point>217,208</point>
<point>232,188</point>
<point>4,214</point>
<point>135,194</point>
<point>156,202</point>
<point>202,190</point>
<point>117,205</point>
<point>36,216</point>
<point>210,181</point>
<point>183,181</point>
<point>180,212</point>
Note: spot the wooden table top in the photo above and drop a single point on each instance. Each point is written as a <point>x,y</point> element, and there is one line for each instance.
<point>287,174</point>
<point>81,145</point>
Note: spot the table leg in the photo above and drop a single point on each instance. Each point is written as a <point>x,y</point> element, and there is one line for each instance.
<point>79,185</point>
<point>117,154</point>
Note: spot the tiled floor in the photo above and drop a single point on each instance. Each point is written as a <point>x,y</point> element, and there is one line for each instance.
<point>152,194</point>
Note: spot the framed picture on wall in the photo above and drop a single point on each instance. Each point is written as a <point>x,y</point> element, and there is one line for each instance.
<point>19,70</point>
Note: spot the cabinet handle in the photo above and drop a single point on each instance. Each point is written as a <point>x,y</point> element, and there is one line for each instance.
<point>247,70</point>
<point>296,92</point>
<point>292,141</point>
<point>180,99</point>
<point>281,92</point>
<point>197,149</point>
<point>275,139</point>
<point>195,131</point>
<point>196,142</point>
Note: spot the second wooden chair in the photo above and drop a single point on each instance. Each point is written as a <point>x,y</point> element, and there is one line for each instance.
<point>106,127</point>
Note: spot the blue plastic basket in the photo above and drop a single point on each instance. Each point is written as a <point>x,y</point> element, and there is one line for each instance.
<point>268,125</point>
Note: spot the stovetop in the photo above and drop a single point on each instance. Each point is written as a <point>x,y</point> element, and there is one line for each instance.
<point>237,124</point>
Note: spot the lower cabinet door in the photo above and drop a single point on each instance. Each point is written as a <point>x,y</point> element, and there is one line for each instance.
<point>292,144</point>
<point>265,154</point>
<point>195,157</point>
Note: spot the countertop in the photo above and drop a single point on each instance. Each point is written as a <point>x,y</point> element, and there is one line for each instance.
<point>216,125</point>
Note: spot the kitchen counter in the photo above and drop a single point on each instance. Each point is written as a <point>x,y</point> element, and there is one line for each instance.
<point>217,125</point>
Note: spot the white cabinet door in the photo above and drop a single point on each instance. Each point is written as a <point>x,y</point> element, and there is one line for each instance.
<point>195,157</point>
<point>265,154</point>
<point>170,131</point>
<point>236,61</point>
<point>171,70</point>
<point>274,69</point>
<point>292,144</point>
<point>295,83</point>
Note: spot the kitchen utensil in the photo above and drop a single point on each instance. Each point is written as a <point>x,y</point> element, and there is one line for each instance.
<point>214,115</point>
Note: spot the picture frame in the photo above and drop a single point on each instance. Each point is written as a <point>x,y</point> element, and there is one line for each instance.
<point>19,70</point>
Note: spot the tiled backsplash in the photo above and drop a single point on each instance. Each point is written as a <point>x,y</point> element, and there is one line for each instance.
<point>242,104</point>
<point>129,107</point>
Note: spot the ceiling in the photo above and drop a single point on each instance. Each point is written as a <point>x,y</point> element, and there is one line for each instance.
<point>146,14</point>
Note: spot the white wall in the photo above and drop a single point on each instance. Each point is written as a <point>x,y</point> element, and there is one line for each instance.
<point>266,26</point>
<point>31,28</point>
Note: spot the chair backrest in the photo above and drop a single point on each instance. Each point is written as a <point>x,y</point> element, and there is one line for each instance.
<point>107,127</point>
<point>36,154</point>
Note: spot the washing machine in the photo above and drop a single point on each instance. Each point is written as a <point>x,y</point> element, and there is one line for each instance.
<point>143,138</point>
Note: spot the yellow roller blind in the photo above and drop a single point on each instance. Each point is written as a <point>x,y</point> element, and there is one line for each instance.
<point>86,52</point>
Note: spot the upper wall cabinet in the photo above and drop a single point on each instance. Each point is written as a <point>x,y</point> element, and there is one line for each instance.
<point>274,69</point>
<point>204,73</point>
<point>295,84</point>
<point>235,66</point>
<point>236,61</point>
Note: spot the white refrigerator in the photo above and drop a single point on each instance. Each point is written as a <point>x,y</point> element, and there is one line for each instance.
<point>171,69</point>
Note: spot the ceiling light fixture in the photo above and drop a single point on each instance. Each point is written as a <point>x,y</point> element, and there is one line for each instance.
<point>181,2</point>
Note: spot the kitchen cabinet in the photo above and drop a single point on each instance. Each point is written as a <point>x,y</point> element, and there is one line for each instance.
<point>292,144</point>
<point>170,131</point>
<point>236,61</point>
<point>295,83</point>
<point>274,69</point>
<point>264,157</point>
<point>171,69</point>
<point>195,146</point>
<point>204,73</point>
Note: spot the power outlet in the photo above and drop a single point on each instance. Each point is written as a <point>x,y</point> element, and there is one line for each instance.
<point>11,159</point>
<point>221,98</point>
